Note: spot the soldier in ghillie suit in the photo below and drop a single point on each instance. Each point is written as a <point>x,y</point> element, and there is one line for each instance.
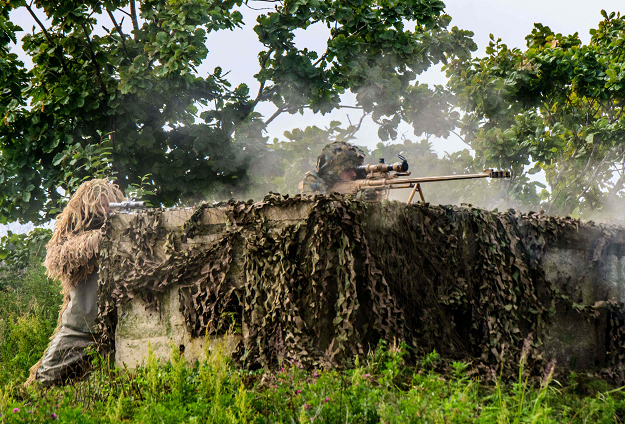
<point>338,162</point>
<point>72,257</point>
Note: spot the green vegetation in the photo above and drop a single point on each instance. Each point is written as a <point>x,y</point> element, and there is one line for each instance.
<point>139,93</point>
<point>101,99</point>
<point>381,388</point>
<point>133,106</point>
<point>556,106</point>
<point>29,303</point>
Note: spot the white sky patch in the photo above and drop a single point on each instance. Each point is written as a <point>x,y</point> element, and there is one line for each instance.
<point>314,38</point>
<point>17,228</point>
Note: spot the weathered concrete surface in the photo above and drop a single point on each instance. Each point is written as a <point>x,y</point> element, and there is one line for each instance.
<point>579,264</point>
<point>588,273</point>
<point>140,328</point>
<point>161,331</point>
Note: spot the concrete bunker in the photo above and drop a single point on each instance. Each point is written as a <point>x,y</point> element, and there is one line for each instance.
<point>320,279</point>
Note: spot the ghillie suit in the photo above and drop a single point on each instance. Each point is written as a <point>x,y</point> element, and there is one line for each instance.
<point>334,159</point>
<point>72,258</point>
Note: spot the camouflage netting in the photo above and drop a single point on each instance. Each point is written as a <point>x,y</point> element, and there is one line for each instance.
<point>461,280</point>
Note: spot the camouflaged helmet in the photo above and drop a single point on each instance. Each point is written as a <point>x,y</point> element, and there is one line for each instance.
<point>338,157</point>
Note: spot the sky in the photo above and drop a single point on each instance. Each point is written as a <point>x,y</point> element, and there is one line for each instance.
<point>510,20</point>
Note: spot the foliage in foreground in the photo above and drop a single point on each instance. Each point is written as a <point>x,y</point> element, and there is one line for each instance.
<point>29,303</point>
<point>381,389</point>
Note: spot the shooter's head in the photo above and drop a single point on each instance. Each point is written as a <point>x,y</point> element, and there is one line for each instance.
<point>88,207</point>
<point>338,161</point>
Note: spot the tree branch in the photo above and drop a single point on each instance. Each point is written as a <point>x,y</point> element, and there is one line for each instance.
<point>593,176</point>
<point>588,108</point>
<point>274,116</point>
<point>133,16</point>
<point>45,33</point>
<point>323,56</point>
<point>113,130</point>
<point>94,61</point>
<point>575,181</point>
<point>460,137</point>
<point>262,84</point>
<point>119,31</point>
<point>293,109</point>
<point>340,107</point>
<point>618,186</point>
<point>260,8</point>
<point>357,127</point>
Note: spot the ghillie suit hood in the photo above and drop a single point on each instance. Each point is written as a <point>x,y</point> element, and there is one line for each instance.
<point>73,250</point>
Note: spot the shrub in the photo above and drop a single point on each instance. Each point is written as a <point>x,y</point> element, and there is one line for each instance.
<point>29,304</point>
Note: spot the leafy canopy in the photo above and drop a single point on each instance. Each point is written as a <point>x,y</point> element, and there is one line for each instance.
<point>556,107</point>
<point>138,95</point>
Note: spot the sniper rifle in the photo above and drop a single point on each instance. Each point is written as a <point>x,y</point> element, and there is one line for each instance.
<point>127,205</point>
<point>374,181</point>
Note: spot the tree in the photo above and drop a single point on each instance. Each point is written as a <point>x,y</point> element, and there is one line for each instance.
<point>139,96</point>
<point>555,107</point>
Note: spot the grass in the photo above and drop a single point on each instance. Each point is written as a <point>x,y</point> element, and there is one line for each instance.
<point>380,388</point>
<point>29,311</point>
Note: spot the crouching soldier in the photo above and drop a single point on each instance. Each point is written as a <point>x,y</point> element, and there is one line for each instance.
<point>338,162</point>
<point>72,257</point>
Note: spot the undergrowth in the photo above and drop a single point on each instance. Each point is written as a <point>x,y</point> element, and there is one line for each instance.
<point>380,387</point>
<point>29,303</point>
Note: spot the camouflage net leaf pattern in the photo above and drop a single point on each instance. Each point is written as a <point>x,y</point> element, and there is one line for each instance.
<point>347,274</point>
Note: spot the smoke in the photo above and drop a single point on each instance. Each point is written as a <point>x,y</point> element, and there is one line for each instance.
<point>612,212</point>
<point>281,154</point>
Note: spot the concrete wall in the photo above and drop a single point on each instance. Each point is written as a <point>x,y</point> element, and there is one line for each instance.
<point>139,326</point>
<point>163,330</point>
<point>587,265</point>
<point>588,273</point>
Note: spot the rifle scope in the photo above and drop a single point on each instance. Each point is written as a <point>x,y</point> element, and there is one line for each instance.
<point>364,170</point>
<point>127,205</point>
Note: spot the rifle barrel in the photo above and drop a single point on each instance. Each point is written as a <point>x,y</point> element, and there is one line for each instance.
<point>418,180</point>
<point>354,186</point>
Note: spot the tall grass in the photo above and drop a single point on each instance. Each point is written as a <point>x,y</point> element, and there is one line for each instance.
<point>378,388</point>
<point>29,304</point>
